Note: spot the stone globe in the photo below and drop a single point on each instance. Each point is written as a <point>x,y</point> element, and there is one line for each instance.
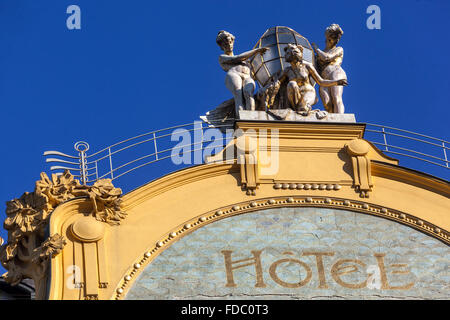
<point>272,61</point>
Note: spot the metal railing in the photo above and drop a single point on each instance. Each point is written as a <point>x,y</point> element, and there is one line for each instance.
<point>428,149</point>
<point>131,154</point>
<point>126,156</point>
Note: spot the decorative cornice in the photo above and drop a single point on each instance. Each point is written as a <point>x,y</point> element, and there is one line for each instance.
<point>267,203</point>
<point>286,128</point>
<point>409,176</point>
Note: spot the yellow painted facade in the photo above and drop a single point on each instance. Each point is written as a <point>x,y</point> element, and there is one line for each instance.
<point>319,166</point>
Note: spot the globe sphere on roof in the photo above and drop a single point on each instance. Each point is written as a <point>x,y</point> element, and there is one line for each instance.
<point>272,61</point>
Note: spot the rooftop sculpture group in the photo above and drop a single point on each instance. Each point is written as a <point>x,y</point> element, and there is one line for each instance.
<point>286,77</point>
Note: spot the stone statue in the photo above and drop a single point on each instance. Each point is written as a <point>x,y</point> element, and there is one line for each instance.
<point>286,80</point>
<point>300,92</point>
<point>238,79</point>
<point>329,64</point>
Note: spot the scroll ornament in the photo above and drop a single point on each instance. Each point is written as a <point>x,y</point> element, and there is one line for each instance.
<point>362,177</point>
<point>28,250</point>
<point>249,166</point>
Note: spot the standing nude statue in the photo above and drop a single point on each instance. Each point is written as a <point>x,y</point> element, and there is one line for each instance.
<point>238,79</point>
<point>329,64</point>
<point>300,92</point>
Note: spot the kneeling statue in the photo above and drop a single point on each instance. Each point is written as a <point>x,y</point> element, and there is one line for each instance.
<point>300,92</point>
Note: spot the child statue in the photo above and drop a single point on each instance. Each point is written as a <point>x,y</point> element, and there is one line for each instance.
<point>329,64</point>
<point>238,79</point>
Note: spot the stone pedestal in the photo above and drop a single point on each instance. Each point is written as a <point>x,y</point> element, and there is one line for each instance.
<point>290,115</point>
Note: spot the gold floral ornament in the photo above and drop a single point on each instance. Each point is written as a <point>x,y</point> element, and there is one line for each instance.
<point>26,214</point>
<point>27,252</point>
<point>59,189</point>
<point>50,247</point>
<point>106,202</point>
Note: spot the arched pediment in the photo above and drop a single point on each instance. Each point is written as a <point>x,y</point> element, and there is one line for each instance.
<point>175,207</point>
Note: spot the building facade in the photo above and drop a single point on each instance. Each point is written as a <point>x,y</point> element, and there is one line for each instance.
<point>301,211</point>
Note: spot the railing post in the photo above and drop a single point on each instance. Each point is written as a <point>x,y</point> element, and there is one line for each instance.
<point>83,169</point>
<point>156,148</point>
<point>96,171</point>
<point>202,136</point>
<point>445,154</point>
<point>82,147</point>
<point>110,163</point>
<point>198,140</point>
<point>385,140</point>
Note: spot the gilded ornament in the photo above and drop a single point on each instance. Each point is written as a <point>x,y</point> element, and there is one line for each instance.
<point>28,250</point>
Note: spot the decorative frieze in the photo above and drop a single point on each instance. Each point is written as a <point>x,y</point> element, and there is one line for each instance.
<point>307,186</point>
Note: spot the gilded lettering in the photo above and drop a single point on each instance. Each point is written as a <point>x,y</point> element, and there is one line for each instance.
<point>338,270</point>
<point>230,266</point>
<point>383,275</point>
<point>273,273</point>
<point>320,267</point>
<point>373,277</point>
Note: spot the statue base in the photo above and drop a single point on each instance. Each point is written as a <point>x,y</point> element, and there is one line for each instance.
<point>291,115</point>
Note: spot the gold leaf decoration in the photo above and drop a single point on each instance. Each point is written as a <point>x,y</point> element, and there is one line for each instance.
<point>27,252</point>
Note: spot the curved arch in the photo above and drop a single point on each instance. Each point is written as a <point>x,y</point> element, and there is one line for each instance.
<point>280,202</point>
<point>162,211</point>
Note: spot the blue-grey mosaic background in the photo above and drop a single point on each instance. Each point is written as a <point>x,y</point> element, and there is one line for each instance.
<point>194,267</point>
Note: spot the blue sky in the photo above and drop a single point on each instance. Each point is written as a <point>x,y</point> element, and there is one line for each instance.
<point>141,65</point>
